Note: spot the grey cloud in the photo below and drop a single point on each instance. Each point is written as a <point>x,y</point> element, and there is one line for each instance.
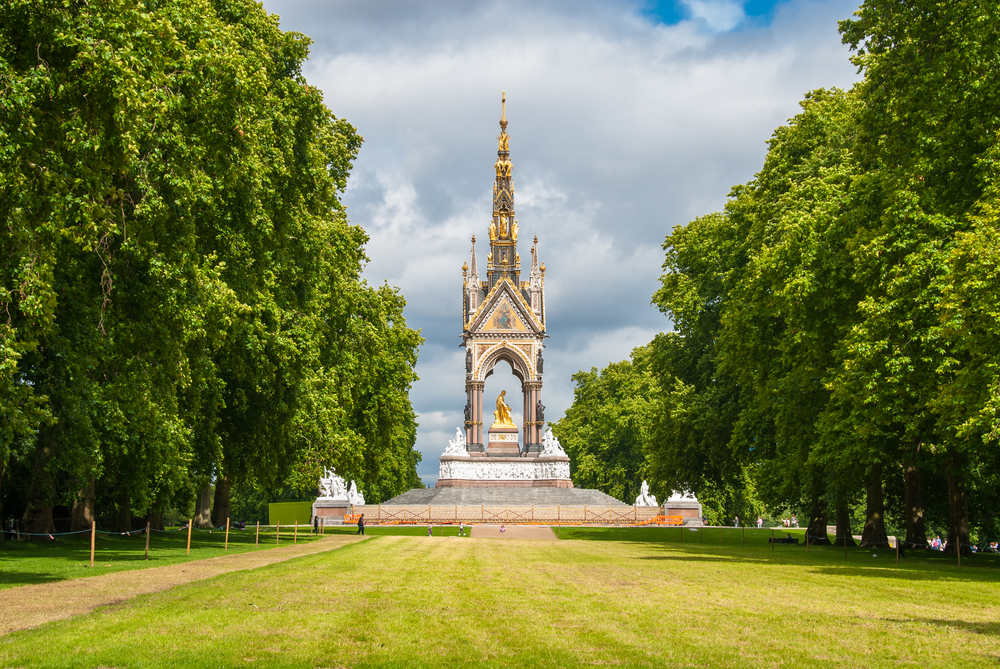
<point>620,130</point>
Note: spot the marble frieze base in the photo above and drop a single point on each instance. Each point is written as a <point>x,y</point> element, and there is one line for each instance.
<point>480,472</point>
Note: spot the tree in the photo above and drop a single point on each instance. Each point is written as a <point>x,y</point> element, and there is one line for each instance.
<point>606,429</point>
<point>177,267</point>
<point>927,131</point>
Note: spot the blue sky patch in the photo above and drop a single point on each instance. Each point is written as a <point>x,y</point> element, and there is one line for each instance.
<point>670,12</point>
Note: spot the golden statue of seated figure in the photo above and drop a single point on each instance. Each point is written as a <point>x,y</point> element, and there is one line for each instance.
<point>501,417</point>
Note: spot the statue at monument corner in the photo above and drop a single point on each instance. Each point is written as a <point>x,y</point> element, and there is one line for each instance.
<point>551,445</point>
<point>644,498</point>
<point>355,497</point>
<point>457,445</point>
<point>502,414</point>
<point>332,486</point>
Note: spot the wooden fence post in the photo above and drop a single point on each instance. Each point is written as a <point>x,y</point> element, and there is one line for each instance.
<point>959,551</point>
<point>277,533</point>
<point>897,550</point>
<point>584,514</point>
<point>720,535</point>
<point>701,535</point>
<point>93,537</point>
<point>295,535</point>
<point>256,539</point>
<point>190,525</point>
<point>772,539</point>
<point>226,547</point>
<point>743,538</point>
<point>807,540</point>
<point>147,541</point>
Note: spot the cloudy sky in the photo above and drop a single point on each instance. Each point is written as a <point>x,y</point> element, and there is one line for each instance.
<point>626,119</point>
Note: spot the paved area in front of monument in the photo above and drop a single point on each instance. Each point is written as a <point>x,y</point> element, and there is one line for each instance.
<point>541,532</point>
<point>505,497</point>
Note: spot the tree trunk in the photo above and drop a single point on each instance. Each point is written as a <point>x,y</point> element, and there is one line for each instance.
<point>123,515</point>
<point>916,529</point>
<point>83,507</point>
<point>844,534</point>
<point>3,530</point>
<point>203,510</point>
<point>958,511</point>
<point>817,526</point>
<point>220,509</point>
<point>37,517</point>
<point>874,535</point>
<point>155,520</point>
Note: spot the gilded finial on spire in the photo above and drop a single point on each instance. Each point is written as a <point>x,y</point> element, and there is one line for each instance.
<point>504,138</point>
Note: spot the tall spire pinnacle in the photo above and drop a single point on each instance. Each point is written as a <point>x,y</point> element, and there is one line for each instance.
<point>503,259</point>
<point>474,275</point>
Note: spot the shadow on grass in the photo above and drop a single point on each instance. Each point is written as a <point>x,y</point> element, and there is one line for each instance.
<point>987,629</point>
<point>830,561</point>
<point>8,577</point>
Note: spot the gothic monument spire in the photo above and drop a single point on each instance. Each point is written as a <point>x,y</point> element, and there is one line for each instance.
<point>503,260</point>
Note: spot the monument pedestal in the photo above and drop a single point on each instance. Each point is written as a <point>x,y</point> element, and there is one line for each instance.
<point>504,472</point>
<point>330,511</point>
<point>503,443</point>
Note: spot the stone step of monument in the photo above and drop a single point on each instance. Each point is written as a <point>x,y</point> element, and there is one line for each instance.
<point>505,497</point>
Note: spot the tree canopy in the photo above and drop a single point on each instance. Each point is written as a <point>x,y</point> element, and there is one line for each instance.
<point>180,285</point>
<point>835,327</point>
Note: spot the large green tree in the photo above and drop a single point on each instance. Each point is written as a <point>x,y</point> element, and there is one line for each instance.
<point>181,285</point>
<point>605,430</point>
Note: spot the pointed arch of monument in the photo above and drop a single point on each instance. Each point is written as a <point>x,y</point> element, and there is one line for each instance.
<point>506,352</point>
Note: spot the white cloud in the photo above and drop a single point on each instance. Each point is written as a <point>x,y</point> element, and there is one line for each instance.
<point>719,15</point>
<point>620,129</point>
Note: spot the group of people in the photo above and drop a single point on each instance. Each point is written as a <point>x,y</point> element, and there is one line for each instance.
<point>786,522</point>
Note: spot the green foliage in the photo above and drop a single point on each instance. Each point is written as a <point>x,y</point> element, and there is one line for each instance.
<point>605,429</point>
<point>181,282</point>
<point>838,324</point>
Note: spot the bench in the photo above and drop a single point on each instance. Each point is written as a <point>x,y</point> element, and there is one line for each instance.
<point>782,540</point>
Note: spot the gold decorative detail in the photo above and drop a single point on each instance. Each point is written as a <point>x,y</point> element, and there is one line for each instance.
<point>513,231</point>
<point>465,267</point>
<point>502,228</point>
<point>502,417</point>
<point>517,258</point>
<point>542,268</point>
<point>493,231</point>
<point>503,109</point>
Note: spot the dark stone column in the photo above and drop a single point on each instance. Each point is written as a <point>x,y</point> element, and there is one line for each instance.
<point>474,424</point>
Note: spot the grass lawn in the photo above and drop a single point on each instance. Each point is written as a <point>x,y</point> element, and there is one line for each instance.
<point>621,596</point>
<point>23,562</point>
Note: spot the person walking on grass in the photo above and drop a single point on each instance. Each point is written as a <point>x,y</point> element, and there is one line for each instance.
<point>737,523</point>
<point>502,529</point>
<point>461,529</point>
<point>361,526</point>
<point>430,530</point>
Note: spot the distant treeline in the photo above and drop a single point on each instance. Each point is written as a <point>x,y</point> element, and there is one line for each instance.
<point>836,334</point>
<point>180,291</point>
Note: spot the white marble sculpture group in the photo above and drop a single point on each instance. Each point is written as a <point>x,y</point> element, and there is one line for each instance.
<point>645,498</point>
<point>333,487</point>
<point>457,445</point>
<point>456,463</point>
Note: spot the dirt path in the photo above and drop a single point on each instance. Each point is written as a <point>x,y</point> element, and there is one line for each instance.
<point>27,606</point>
<point>513,532</point>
